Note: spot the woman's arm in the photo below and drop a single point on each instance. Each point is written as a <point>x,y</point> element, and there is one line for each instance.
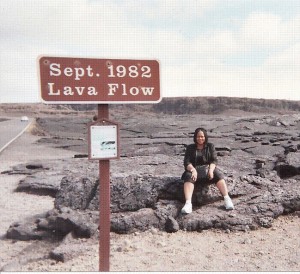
<point>212,161</point>
<point>211,169</point>
<point>188,158</point>
<point>191,168</point>
<point>188,162</point>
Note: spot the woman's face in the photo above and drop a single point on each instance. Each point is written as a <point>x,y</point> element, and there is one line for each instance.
<point>200,138</point>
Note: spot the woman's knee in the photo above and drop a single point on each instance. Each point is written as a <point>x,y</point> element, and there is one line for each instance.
<point>221,182</point>
<point>189,184</point>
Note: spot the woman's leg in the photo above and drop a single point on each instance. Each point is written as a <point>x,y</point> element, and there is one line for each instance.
<point>188,189</point>
<point>221,185</point>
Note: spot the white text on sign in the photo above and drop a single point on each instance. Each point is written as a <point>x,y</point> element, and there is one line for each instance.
<point>120,71</point>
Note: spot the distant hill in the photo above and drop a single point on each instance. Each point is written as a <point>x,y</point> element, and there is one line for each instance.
<point>176,105</point>
<point>216,105</point>
<point>206,105</point>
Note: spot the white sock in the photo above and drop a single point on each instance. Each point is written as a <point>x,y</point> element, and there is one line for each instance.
<point>188,201</point>
<point>226,197</point>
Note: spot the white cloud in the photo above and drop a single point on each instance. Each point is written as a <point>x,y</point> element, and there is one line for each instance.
<point>285,61</point>
<point>268,31</point>
<point>261,30</point>
<point>166,12</point>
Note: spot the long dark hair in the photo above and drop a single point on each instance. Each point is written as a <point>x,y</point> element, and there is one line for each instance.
<point>204,132</point>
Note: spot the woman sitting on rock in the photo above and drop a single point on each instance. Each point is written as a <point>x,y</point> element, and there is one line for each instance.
<point>200,167</point>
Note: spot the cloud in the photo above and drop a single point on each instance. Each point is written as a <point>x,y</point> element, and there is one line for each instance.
<point>172,15</point>
<point>287,60</point>
<point>270,31</point>
<point>275,76</point>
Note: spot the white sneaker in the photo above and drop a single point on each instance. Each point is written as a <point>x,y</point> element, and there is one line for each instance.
<point>187,209</point>
<point>228,203</point>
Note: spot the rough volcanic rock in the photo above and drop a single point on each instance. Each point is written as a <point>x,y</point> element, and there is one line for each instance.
<point>151,203</point>
<point>259,156</point>
<point>171,225</point>
<point>82,224</point>
<point>75,192</point>
<point>49,184</point>
<point>26,230</point>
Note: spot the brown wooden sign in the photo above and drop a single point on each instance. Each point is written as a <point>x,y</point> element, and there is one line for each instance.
<point>95,81</point>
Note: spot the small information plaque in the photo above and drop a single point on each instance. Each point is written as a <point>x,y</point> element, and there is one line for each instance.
<point>103,140</point>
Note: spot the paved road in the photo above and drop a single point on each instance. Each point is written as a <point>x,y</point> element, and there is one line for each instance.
<point>11,129</point>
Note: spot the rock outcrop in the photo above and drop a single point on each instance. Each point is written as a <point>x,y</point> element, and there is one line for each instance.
<point>259,156</point>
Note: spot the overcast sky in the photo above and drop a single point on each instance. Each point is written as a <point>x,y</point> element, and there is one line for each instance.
<point>236,48</point>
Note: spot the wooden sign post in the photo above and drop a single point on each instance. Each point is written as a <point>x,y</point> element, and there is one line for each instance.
<point>65,80</point>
